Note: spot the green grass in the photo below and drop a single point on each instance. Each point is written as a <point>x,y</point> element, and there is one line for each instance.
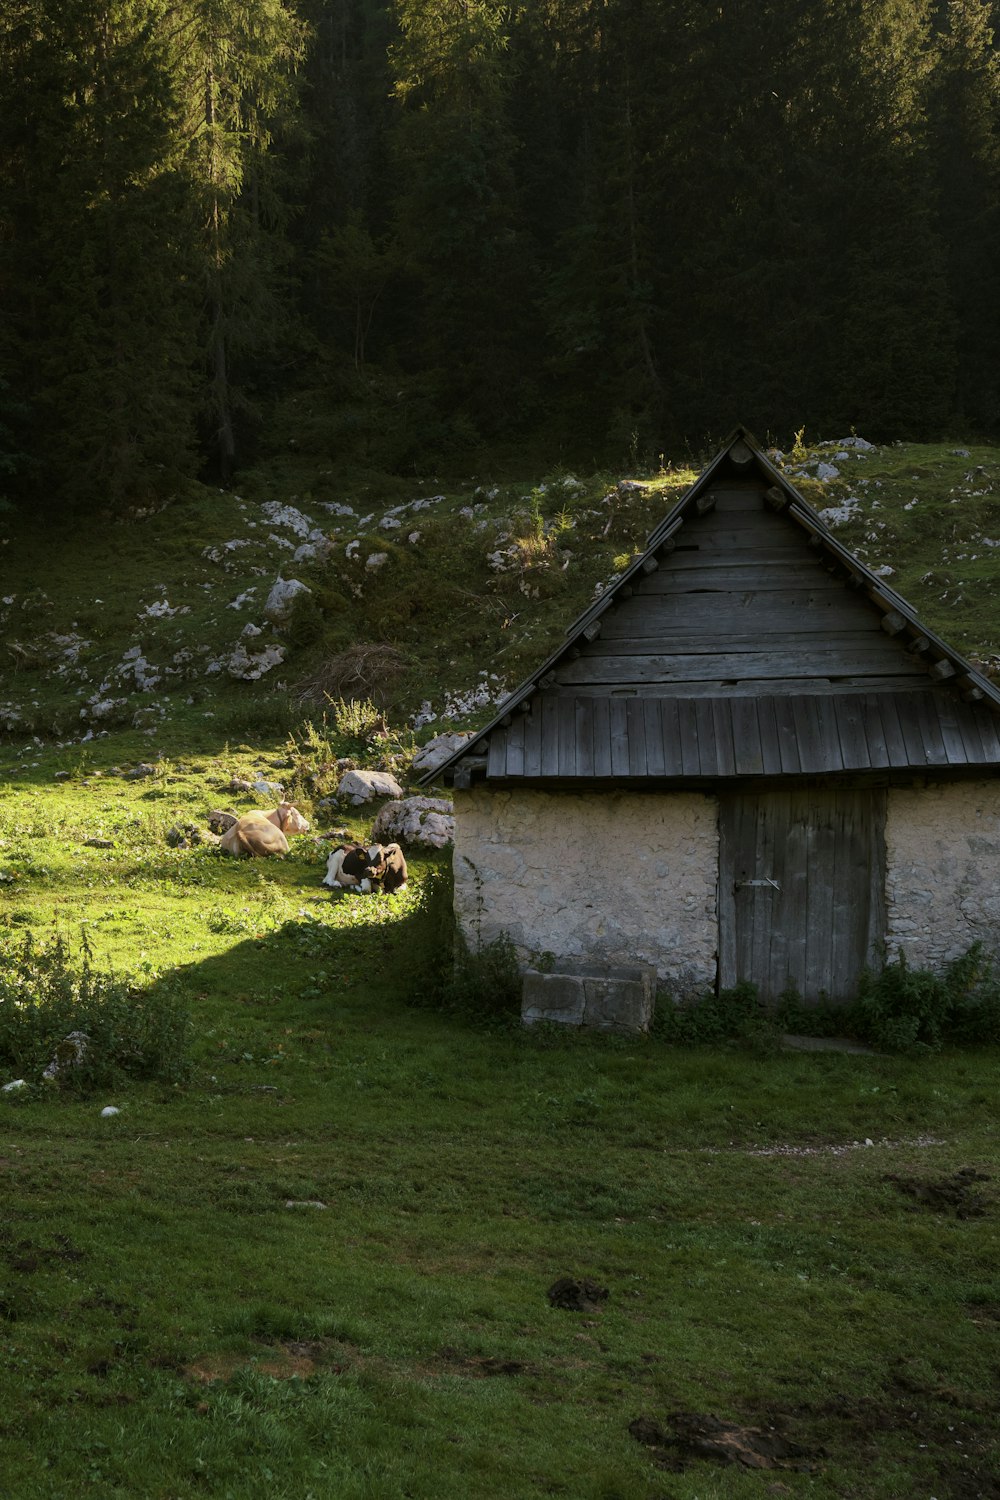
<point>173,1329</point>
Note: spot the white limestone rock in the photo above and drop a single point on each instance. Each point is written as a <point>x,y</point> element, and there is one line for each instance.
<point>281,599</point>
<point>416,820</point>
<point>441,748</point>
<point>358,787</point>
<point>250,666</point>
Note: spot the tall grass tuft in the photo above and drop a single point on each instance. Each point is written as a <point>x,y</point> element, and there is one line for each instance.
<point>130,1031</point>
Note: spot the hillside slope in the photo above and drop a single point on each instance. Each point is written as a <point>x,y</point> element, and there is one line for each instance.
<point>430,601</point>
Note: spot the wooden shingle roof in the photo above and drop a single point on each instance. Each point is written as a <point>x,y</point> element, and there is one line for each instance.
<point>745,641</point>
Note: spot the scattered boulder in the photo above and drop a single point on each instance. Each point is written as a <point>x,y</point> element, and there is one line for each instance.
<point>69,1053</point>
<point>416,820</point>
<point>266,788</point>
<point>139,772</point>
<point>358,787</point>
<point>250,666</point>
<point>441,748</point>
<point>281,599</point>
<point>96,843</point>
<point>220,821</point>
<point>185,836</point>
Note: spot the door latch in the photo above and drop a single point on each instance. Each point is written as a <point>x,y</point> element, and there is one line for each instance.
<point>740,884</point>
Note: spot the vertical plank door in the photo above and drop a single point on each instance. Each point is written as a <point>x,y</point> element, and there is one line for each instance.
<point>801,889</point>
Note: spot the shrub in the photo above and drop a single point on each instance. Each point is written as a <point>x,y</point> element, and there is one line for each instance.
<point>485,981</point>
<point>131,1032</point>
<point>734,1014</point>
<point>481,983</point>
<point>901,1009</point>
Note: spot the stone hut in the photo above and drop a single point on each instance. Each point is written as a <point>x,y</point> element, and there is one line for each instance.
<point>749,760</point>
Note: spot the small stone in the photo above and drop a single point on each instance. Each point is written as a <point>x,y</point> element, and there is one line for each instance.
<point>14,1085</point>
<point>108,1111</point>
<point>304,1203</point>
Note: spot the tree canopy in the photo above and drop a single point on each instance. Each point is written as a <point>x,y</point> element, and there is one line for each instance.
<point>610,225</point>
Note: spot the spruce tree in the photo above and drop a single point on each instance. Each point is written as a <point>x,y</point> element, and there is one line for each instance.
<point>101,336</point>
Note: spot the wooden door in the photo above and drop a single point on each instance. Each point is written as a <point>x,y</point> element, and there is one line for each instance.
<point>801,889</point>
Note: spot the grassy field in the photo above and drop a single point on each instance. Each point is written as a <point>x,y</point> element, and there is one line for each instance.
<point>312,1252</point>
<point>318,1261</point>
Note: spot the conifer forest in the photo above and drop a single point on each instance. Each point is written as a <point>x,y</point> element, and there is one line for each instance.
<point>398,233</point>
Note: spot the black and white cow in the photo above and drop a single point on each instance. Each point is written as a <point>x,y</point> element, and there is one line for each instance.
<point>378,867</point>
<point>392,870</point>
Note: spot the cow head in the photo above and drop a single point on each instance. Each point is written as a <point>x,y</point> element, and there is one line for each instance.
<point>290,820</point>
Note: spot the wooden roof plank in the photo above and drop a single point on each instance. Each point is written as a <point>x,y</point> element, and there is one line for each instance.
<point>533,740</point>
<point>989,731</point>
<point>746,738</point>
<point>692,754</point>
<point>670,736</point>
<point>704,719</point>
<point>770,747</point>
<point>566,735</point>
<point>929,726</point>
<point>951,734</point>
<point>602,737</point>
<point>723,727</point>
<point>652,730</point>
<point>909,725</point>
<point>583,710</point>
<point>836,723</point>
<point>514,741</point>
<point>807,735</point>
<point>873,730</point>
<point>619,737</point>
<point>637,739</point>
<point>497,754</point>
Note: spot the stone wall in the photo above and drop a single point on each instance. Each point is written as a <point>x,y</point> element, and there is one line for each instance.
<point>612,878</point>
<point>942,870</point>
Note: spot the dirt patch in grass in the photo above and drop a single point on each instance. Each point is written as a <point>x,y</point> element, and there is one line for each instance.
<point>295,1360</point>
<point>577,1294</point>
<point>694,1435</point>
<point>213,1369</point>
<point>956,1194</point>
<point>958,1448</point>
<point>480,1367</point>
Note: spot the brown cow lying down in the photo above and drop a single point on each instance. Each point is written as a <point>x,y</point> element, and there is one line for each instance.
<point>263,833</point>
<point>379,867</point>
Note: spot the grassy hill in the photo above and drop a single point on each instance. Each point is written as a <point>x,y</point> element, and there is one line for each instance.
<point>309,1252</point>
<point>429,599</point>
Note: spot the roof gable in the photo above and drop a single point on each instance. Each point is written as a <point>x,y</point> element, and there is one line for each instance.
<point>741,599</point>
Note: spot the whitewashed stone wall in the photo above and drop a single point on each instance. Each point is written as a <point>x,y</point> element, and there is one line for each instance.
<point>942,871</point>
<point>615,878</point>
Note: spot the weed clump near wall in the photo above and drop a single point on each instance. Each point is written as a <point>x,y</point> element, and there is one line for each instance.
<point>129,1031</point>
<point>446,973</point>
<point>898,1009</point>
